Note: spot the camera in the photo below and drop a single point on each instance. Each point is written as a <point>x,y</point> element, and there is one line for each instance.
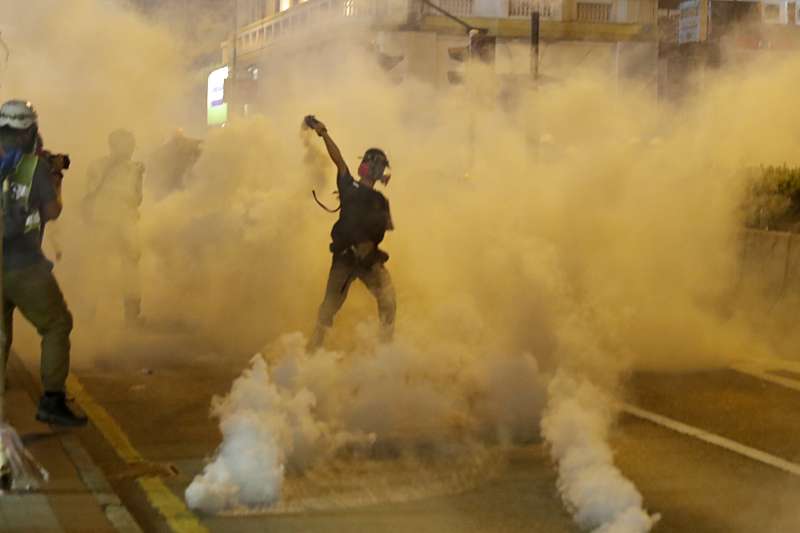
<point>59,162</point>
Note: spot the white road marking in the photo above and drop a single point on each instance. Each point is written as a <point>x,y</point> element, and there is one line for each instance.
<point>765,375</point>
<point>763,369</point>
<point>710,438</point>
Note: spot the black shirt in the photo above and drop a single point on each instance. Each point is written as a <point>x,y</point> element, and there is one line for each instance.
<point>365,214</point>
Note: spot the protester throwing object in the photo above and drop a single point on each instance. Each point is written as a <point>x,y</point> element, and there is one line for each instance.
<point>364,219</point>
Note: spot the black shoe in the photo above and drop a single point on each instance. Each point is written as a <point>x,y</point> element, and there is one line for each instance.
<point>53,409</point>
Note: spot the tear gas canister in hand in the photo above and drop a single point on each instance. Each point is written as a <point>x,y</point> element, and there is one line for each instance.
<point>311,122</point>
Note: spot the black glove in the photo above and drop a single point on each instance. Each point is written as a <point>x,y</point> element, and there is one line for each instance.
<point>311,122</point>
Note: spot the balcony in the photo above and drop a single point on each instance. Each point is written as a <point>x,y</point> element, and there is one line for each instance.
<point>548,9</point>
<point>316,13</point>
<point>606,19</point>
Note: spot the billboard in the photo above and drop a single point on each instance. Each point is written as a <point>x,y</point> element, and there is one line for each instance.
<point>217,106</point>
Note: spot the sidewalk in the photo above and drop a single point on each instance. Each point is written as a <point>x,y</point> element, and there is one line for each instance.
<point>77,497</point>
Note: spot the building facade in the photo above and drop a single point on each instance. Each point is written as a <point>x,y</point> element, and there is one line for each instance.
<point>416,38</point>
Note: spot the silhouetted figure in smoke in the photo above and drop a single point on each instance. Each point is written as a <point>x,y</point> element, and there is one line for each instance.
<point>169,168</point>
<point>111,206</point>
<point>363,220</point>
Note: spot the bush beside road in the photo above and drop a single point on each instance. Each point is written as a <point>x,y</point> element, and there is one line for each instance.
<point>772,201</point>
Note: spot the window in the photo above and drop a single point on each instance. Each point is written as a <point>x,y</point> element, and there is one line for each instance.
<point>594,12</point>
<point>772,11</point>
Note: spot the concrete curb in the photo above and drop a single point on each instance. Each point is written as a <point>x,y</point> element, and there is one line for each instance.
<point>89,474</point>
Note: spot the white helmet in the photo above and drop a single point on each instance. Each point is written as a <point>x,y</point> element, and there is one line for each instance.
<point>18,115</point>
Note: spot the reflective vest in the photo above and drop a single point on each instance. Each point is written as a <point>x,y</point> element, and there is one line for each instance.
<point>20,219</point>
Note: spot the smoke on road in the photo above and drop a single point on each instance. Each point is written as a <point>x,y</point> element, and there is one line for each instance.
<point>592,233</point>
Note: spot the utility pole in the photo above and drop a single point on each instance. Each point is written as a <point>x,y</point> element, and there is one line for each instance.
<point>535,45</point>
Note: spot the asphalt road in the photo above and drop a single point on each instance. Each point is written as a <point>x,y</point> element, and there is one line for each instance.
<point>159,396</point>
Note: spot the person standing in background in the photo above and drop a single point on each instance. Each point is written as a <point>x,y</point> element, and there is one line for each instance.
<point>111,206</point>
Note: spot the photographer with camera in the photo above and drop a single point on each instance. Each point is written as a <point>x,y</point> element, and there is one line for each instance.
<point>364,219</point>
<point>111,207</point>
<point>31,195</point>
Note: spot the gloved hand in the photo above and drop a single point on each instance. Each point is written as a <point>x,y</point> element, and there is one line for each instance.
<point>312,122</point>
<point>363,250</point>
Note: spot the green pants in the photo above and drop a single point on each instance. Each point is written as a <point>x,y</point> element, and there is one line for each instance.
<point>35,292</point>
<point>344,271</point>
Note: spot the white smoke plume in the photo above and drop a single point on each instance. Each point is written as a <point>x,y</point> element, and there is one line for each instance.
<point>575,424</point>
<point>305,408</point>
<point>266,429</point>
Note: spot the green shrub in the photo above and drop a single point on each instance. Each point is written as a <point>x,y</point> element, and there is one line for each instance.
<point>773,198</point>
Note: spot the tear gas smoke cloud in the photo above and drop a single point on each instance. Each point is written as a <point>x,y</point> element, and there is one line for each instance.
<point>592,233</point>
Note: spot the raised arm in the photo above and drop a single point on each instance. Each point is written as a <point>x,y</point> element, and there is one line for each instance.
<point>333,150</point>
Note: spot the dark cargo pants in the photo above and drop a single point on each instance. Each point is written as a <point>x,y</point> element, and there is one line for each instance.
<point>344,271</point>
<point>35,292</point>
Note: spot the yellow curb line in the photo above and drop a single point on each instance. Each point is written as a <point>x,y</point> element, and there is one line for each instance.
<point>178,517</point>
<point>104,422</point>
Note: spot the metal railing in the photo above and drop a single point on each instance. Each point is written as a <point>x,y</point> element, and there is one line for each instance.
<point>594,12</point>
<point>314,13</point>
<point>548,9</point>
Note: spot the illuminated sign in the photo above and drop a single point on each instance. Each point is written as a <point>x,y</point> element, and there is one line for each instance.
<point>689,23</point>
<point>217,107</point>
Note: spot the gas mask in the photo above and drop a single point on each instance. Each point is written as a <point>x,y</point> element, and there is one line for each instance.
<point>375,167</point>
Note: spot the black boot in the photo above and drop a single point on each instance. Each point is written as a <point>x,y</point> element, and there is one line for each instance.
<point>53,409</point>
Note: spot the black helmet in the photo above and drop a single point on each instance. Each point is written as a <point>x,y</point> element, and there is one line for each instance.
<point>376,154</point>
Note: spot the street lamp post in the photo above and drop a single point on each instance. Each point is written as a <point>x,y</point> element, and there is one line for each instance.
<point>535,19</point>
